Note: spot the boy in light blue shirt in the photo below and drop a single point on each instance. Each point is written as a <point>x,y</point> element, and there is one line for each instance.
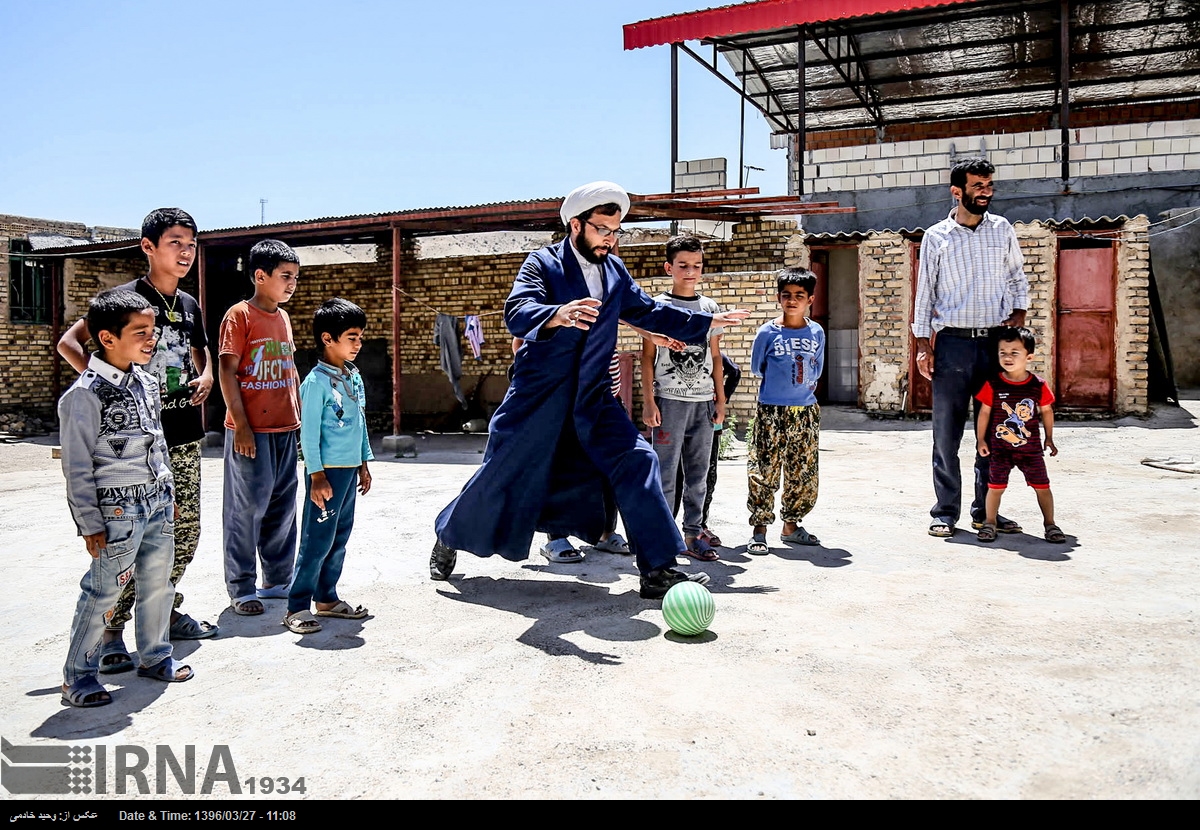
<point>789,356</point>
<point>336,449</point>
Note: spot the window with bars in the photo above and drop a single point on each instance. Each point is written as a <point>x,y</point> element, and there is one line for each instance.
<point>30,286</point>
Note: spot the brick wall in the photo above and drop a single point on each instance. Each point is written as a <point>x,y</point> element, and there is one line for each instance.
<point>27,350</point>
<point>885,298</point>
<point>1133,317</point>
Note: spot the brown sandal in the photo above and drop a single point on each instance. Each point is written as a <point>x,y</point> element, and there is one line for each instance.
<point>987,533</point>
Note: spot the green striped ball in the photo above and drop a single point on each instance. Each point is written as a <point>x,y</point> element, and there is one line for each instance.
<point>688,608</point>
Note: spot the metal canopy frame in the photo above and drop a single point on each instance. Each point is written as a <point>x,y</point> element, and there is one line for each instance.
<point>869,65</point>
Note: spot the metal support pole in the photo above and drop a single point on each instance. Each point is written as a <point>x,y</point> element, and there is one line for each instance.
<point>801,126</point>
<point>1064,93</point>
<point>674,111</point>
<point>397,370</point>
<point>742,129</point>
<point>202,293</point>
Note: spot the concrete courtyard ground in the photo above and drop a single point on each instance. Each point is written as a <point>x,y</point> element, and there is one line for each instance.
<point>883,664</point>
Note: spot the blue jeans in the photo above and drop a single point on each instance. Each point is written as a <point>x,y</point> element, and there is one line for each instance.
<point>960,366</point>
<point>139,525</point>
<point>260,512</point>
<point>323,538</point>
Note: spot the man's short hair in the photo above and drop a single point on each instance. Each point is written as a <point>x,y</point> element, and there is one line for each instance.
<point>268,255</point>
<point>978,166</point>
<point>110,311</point>
<point>1011,334</point>
<point>335,317</point>
<point>683,242</point>
<point>607,209</point>
<point>801,277</point>
<point>157,222</point>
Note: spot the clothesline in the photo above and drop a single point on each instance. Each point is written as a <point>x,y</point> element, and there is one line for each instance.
<point>436,311</point>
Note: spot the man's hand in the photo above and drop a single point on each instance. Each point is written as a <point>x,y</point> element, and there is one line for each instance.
<point>651,417</point>
<point>201,386</point>
<point>243,441</point>
<point>364,479</point>
<point>729,318</point>
<point>95,542</point>
<point>1016,319</point>
<point>320,491</point>
<point>577,314</point>
<point>925,358</point>
<point>667,342</point>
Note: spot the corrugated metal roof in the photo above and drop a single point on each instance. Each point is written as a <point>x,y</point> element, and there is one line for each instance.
<point>761,16</point>
<point>930,61</point>
<point>1084,222</point>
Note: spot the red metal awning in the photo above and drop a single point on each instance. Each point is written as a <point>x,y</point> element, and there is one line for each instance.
<point>761,16</point>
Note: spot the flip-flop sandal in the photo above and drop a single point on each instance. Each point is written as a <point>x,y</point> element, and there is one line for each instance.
<point>1054,534</point>
<point>613,544</point>
<point>167,670</point>
<point>1002,526</point>
<point>987,533</point>
<point>561,552</point>
<point>758,545</point>
<point>344,611</point>
<point>186,628</point>
<point>302,622</point>
<point>702,551</point>
<point>114,658</point>
<point>942,530</point>
<point>247,606</point>
<point>274,592</point>
<point>86,693</point>
<point>800,536</point>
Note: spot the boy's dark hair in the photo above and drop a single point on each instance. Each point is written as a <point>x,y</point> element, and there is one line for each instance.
<point>110,311</point>
<point>336,316</point>
<point>269,254</point>
<point>978,166</point>
<point>607,209</point>
<point>157,222</point>
<point>1011,334</point>
<point>801,277</point>
<point>683,242</point>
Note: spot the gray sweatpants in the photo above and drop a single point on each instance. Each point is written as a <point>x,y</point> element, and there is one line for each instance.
<point>685,432</point>
<point>260,512</point>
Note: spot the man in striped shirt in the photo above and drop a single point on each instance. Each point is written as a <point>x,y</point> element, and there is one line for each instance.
<point>971,282</point>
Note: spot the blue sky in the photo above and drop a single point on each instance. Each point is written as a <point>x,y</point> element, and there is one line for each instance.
<point>328,109</point>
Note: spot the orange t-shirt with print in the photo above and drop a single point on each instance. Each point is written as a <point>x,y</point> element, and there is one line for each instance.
<point>267,378</point>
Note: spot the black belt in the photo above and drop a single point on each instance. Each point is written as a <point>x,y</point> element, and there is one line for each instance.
<point>974,334</point>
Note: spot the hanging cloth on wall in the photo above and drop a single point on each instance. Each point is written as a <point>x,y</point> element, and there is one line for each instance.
<point>445,337</point>
<point>474,333</point>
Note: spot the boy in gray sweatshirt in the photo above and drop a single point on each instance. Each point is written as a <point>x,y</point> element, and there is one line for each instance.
<point>121,494</point>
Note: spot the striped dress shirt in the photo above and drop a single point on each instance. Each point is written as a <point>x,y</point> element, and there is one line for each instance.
<point>969,278</point>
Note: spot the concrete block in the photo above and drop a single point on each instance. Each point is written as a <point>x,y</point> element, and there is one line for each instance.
<point>1191,161</point>
<point>1128,149</point>
<point>1159,147</point>
<point>1045,154</point>
<point>1140,164</point>
<point>1087,151</point>
<point>1003,141</point>
<point>1181,145</point>
<point>1020,140</point>
<point>1156,163</point>
<point>910,163</point>
<point>1087,135</point>
<point>873,151</point>
<point>931,146</point>
<point>837,169</point>
<point>924,163</point>
<point>862,182</point>
<point>932,177</point>
<point>1156,129</point>
<point>1021,171</point>
<point>1087,168</point>
<point>1104,167</point>
<point>1111,151</point>
<point>1121,132</point>
<point>1138,130</point>
<point>400,446</point>
<point>1175,162</point>
<point>1179,128</point>
<point>1104,133</point>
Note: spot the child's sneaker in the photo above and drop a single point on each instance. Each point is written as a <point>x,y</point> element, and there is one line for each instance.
<point>442,561</point>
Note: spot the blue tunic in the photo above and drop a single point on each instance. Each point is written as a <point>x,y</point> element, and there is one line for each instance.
<point>559,431</point>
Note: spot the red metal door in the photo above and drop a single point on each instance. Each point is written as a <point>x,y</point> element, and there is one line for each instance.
<point>920,390</point>
<point>1084,341</point>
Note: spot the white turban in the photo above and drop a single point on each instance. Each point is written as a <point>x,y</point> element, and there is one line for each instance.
<point>582,199</point>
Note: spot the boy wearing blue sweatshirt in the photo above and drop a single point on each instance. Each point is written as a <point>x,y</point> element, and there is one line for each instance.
<point>789,355</point>
<point>336,449</point>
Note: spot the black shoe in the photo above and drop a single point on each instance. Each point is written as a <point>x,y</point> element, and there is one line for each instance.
<point>656,583</point>
<point>441,562</point>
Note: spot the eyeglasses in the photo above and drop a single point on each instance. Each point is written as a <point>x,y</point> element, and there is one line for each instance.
<point>616,234</point>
